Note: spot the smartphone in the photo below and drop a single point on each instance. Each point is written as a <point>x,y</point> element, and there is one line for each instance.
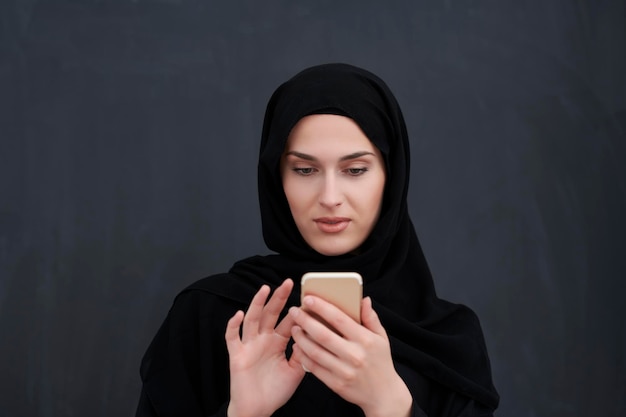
<point>343,289</point>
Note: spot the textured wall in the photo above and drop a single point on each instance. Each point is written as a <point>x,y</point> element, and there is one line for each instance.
<point>128,140</point>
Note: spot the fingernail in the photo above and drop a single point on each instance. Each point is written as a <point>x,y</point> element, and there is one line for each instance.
<point>308,300</point>
<point>294,311</point>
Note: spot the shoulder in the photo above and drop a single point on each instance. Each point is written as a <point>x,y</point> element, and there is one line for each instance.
<point>227,286</point>
<point>208,294</point>
<point>196,313</point>
<point>452,316</point>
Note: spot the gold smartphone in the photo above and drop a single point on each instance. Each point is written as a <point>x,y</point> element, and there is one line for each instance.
<point>343,289</point>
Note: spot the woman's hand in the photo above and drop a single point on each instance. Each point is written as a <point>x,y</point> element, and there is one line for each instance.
<point>357,364</point>
<point>261,377</point>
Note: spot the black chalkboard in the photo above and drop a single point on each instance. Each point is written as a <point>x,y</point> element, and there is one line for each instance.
<point>128,140</point>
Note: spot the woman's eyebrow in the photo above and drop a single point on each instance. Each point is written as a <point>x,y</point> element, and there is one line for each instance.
<point>308,157</point>
<point>356,155</point>
<point>301,155</point>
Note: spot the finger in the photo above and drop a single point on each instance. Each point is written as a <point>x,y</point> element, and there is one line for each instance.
<point>274,306</point>
<point>233,341</point>
<point>317,330</point>
<point>296,356</point>
<point>332,371</point>
<point>253,315</point>
<point>334,316</point>
<point>370,318</point>
<point>314,357</point>
<point>285,325</point>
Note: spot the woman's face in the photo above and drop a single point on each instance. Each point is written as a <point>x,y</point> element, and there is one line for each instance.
<point>334,179</point>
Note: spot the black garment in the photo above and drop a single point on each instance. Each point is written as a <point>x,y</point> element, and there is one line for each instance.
<point>437,346</point>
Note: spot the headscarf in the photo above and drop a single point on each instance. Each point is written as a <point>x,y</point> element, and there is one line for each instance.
<point>441,340</point>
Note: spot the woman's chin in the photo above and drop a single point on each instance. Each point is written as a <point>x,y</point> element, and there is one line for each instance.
<point>334,249</point>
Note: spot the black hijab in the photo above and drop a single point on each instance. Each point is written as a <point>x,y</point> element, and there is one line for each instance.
<point>440,340</point>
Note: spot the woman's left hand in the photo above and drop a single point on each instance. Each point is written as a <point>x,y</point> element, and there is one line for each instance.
<point>357,365</point>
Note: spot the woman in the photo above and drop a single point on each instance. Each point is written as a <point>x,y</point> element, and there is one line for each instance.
<point>333,179</point>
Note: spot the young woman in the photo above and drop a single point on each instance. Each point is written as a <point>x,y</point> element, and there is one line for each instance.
<point>333,179</point>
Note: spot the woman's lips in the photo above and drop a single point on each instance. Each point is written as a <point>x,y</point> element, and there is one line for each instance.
<point>332,224</point>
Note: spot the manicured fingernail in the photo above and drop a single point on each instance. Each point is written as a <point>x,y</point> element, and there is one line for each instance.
<point>294,311</point>
<point>308,300</point>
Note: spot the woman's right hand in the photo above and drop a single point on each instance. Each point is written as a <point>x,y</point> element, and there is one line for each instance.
<point>261,377</point>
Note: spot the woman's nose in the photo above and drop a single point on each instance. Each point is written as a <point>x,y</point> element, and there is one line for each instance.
<point>330,195</point>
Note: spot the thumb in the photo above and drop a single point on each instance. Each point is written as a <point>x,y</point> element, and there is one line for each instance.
<point>370,318</point>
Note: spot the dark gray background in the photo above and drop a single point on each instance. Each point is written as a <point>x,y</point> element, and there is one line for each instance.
<point>128,140</point>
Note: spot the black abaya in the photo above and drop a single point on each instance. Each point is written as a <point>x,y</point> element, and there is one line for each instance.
<point>437,347</point>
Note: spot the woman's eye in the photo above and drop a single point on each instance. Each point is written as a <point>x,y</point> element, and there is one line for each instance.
<point>356,171</point>
<point>303,171</point>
